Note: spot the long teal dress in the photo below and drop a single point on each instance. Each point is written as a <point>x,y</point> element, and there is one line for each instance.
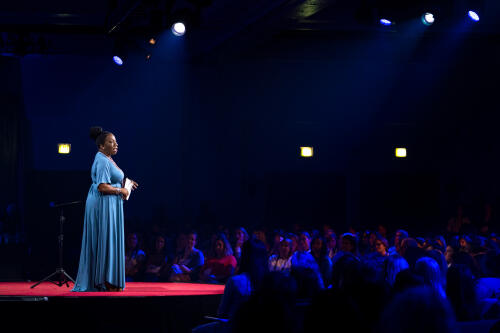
<point>102,258</point>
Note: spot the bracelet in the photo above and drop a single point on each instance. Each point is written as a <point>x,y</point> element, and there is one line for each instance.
<point>117,191</point>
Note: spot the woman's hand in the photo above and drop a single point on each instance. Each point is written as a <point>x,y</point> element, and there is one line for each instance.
<point>124,193</point>
<point>134,185</point>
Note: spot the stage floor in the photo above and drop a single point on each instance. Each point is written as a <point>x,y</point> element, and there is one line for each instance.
<point>141,307</point>
<point>132,289</point>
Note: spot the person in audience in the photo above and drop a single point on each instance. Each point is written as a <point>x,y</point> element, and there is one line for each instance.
<point>331,245</point>
<point>440,259</point>
<point>461,292</point>
<point>295,242</point>
<point>465,243</point>
<point>186,265</point>
<point>221,263</point>
<point>134,258</point>
<point>410,251</point>
<point>304,243</point>
<point>418,309</point>
<point>398,238</point>
<point>394,264</point>
<point>381,246</point>
<point>448,255</point>
<point>349,244</point>
<point>488,287</point>
<point>277,238</point>
<point>156,262</point>
<point>319,252</point>
<point>239,287</point>
<point>364,246</point>
<point>270,309</point>
<point>282,262</point>
<point>260,234</point>
<point>429,270</point>
<point>241,236</point>
<point>180,243</point>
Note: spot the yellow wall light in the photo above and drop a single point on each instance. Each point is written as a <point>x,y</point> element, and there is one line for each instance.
<point>64,148</point>
<point>400,152</point>
<point>306,151</point>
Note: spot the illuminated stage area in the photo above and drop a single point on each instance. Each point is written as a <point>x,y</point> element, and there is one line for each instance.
<point>145,307</point>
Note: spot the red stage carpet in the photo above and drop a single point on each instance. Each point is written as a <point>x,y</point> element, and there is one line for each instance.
<point>133,289</point>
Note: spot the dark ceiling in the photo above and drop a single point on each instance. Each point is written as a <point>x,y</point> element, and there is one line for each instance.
<point>87,27</point>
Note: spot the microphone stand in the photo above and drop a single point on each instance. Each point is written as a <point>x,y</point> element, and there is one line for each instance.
<point>60,273</point>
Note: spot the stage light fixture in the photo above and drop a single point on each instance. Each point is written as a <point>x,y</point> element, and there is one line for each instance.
<point>64,148</point>
<point>400,152</point>
<point>473,15</point>
<point>179,29</point>
<point>428,19</point>
<point>306,151</point>
<point>118,60</point>
<point>152,41</point>
<point>385,22</point>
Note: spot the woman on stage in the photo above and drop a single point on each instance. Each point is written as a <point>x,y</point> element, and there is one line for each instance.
<point>102,258</point>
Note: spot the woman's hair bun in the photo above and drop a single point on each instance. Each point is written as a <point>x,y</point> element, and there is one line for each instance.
<point>95,132</point>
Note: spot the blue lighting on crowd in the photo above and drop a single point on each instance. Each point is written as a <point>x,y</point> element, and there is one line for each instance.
<point>178,29</point>
<point>385,22</point>
<point>473,15</point>
<point>118,60</point>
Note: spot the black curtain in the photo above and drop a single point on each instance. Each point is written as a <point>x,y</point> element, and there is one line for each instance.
<point>13,134</point>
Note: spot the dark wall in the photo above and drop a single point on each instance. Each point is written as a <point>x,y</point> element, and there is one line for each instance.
<point>216,141</point>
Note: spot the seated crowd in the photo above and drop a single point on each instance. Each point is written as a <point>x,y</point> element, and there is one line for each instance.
<point>356,278</point>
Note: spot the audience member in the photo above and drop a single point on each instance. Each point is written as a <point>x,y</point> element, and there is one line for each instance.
<point>156,262</point>
<point>418,310</point>
<point>134,258</point>
<point>398,238</point>
<point>429,270</point>
<point>282,262</point>
<point>393,265</point>
<point>186,265</point>
<point>221,263</point>
<point>241,236</point>
<point>319,252</point>
<point>239,287</point>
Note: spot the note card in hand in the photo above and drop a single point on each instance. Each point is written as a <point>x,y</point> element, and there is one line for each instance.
<point>128,186</point>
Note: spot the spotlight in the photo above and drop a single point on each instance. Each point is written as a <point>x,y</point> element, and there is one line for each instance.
<point>152,41</point>
<point>473,16</point>
<point>118,60</point>
<point>400,152</point>
<point>64,148</point>
<point>178,29</point>
<point>385,22</point>
<point>428,19</point>
<point>306,151</point>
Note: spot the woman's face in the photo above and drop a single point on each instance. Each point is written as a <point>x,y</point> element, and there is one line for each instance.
<point>160,243</point>
<point>284,249</point>
<point>240,236</point>
<point>191,241</point>
<point>380,247</point>
<point>463,242</point>
<point>316,245</point>
<point>346,245</point>
<point>448,254</point>
<point>110,146</point>
<point>132,241</point>
<point>219,248</point>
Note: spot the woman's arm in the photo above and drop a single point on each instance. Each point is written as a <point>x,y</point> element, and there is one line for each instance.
<point>110,190</point>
